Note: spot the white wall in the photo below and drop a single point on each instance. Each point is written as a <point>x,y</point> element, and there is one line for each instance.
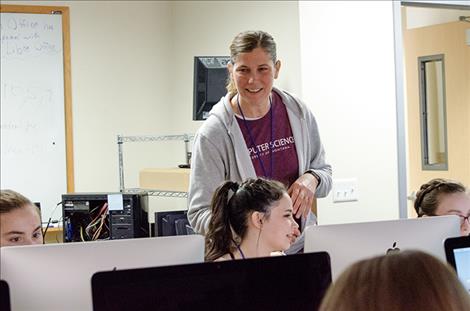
<point>348,78</point>
<point>132,74</point>
<point>422,17</point>
<point>120,83</point>
<point>207,28</point>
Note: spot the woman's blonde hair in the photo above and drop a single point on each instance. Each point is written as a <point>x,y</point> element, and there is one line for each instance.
<point>246,42</point>
<point>11,200</point>
<point>408,280</point>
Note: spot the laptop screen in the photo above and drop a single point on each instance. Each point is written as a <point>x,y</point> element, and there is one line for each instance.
<point>75,263</point>
<point>294,282</point>
<point>458,255</point>
<point>349,243</point>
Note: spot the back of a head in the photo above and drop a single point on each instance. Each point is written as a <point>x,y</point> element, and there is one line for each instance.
<point>408,280</point>
<point>429,194</point>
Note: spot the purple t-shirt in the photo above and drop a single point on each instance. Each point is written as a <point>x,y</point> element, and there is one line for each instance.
<point>278,153</point>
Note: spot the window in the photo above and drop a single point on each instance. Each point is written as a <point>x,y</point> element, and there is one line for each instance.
<point>433,112</point>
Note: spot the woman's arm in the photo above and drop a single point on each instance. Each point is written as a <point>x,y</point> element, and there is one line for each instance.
<point>207,173</point>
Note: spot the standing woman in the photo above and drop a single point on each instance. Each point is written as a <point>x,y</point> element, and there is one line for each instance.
<point>258,130</point>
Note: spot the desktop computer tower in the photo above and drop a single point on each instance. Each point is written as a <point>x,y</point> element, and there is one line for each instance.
<point>86,217</point>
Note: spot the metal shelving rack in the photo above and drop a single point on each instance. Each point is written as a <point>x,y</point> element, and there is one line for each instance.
<point>151,138</point>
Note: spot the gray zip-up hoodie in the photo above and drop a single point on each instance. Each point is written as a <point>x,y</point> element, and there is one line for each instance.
<point>219,153</point>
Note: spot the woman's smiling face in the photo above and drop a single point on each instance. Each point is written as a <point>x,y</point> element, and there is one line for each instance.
<point>253,74</point>
<point>279,228</point>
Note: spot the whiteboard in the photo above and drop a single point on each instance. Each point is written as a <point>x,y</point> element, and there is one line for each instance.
<point>33,151</point>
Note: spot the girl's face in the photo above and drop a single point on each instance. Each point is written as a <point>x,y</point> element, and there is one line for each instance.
<point>457,203</point>
<point>279,229</point>
<point>21,226</point>
<point>253,74</point>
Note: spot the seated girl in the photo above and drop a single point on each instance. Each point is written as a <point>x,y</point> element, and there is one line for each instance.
<point>251,219</point>
<point>441,197</point>
<point>20,221</point>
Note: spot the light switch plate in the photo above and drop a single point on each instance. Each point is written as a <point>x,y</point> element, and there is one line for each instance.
<point>345,190</point>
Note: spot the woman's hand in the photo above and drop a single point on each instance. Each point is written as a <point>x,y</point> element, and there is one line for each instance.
<point>302,193</point>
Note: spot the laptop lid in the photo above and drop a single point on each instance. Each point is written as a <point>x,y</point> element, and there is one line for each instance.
<point>4,296</point>
<point>348,243</point>
<point>458,256</point>
<point>294,282</point>
<point>58,276</point>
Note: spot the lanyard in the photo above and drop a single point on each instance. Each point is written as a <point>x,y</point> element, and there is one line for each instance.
<point>253,145</point>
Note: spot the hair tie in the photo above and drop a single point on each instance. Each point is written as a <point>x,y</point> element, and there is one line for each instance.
<point>424,192</point>
<point>429,189</point>
<point>234,186</point>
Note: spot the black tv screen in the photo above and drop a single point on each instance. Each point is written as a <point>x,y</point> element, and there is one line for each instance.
<point>293,282</point>
<point>210,78</point>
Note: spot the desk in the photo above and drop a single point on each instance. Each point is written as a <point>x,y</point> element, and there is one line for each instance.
<point>54,235</point>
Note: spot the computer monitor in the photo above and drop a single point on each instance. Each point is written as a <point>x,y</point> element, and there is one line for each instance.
<point>165,222</point>
<point>4,296</point>
<point>458,256</point>
<point>348,243</point>
<point>210,78</point>
<point>293,282</point>
<point>58,276</point>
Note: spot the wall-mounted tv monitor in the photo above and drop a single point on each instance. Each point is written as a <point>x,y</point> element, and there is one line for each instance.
<point>210,78</point>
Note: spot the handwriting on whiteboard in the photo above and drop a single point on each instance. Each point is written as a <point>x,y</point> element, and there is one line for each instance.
<point>21,36</point>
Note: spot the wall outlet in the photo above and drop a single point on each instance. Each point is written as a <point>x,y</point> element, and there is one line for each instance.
<point>345,190</point>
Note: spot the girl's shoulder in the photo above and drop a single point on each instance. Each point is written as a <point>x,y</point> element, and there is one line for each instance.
<point>228,256</point>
